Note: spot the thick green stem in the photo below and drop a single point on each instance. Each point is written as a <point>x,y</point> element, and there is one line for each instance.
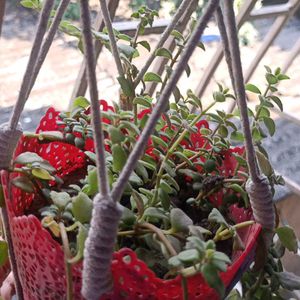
<point>68,266</point>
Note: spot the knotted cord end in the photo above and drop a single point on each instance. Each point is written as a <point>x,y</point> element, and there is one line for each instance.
<point>8,142</point>
<point>99,247</point>
<point>261,200</point>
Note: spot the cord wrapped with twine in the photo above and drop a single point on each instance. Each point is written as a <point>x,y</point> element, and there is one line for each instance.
<point>8,141</point>
<point>105,227</point>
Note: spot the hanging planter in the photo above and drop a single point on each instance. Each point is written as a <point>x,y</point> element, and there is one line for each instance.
<point>163,188</point>
<point>40,255</point>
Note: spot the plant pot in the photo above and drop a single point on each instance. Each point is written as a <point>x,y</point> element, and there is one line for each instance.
<point>40,258</point>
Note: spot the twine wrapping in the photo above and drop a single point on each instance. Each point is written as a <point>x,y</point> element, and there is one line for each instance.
<point>105,221</point>
<point>261,202</point>
<point>8,141</point>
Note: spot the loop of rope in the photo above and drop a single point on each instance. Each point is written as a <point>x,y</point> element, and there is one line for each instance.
<point>8,141</point>
<point>260,195</point>
<point>163,100</point>
<point>97,256</point>
<point>258,187</point>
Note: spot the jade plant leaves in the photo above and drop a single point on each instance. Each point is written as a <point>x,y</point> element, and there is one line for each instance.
<point>288,238</point>
<point>180,221</point>
<point>82,208</point>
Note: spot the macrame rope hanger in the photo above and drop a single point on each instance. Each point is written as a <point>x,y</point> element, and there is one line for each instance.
<point>257,186</point>
<point>107,211</point>
<point>11,132</point>
<point>97,254</point>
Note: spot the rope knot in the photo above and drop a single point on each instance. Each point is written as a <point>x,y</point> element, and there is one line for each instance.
<point>8,141</point>
<point>101,240</point>
<point>261,200</point>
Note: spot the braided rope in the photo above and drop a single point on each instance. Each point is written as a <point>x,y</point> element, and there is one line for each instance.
<point>163,101</point>
<point>258,186</point>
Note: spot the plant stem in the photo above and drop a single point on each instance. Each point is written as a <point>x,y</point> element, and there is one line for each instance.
<point>173,148</point>
<point>185,290</point>
<point>159,108</point>
<point>227,231</point>
<point>68,266</point>
<point>180,11</point>
<point>161,236</point>
<point>173,62</point>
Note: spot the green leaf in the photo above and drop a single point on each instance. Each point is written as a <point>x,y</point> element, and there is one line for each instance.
<point>158,141</point>
<point>237,188</point>
<point>219,97</point>
<point>152,77</point>
<point>3,253</point>
<point>270,124</point>
<point>271,79</point>
<point>126,86</point>
<point>128,218</point>
<point>183,157</point>
<point>288,238</point>
<point>177,35</point>
<point>234,295</point>
<point>69,29</point>
<point>130,126</point>
<point>155,213</point>
<point>210,165</point>
<point>82,208</point>
<point>116,135</point>
<point>165,186</point>
<point>188,256</point>
<point>180,221</point>
<point>164,53</point>
<point>41,174</point>
<point>60,199</point>
<point>80,102</point>
<point>211,276</point>
<point>220,260</point>
<point>51,135</point>
<point>237,136</point>
<point>277,101</point>
<point>119,157</point>
<point>28,158</point>
<point>124,37</point>
<point>264,164</point>
<point>216,216</point>
<point>289,280</point>
<point>92,181</point>
<point>252,88</point>
<point>80,242</point>
<point>164,199</point>
<point>142,101</point>
<point>128,51</point>
<point>24,184</point>
<point>34,4</point>
<point>283,77</point>
<point>174,262</point>
<point>145,44</point>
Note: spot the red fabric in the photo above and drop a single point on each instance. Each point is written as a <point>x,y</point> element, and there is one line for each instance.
<point>40,258</point>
